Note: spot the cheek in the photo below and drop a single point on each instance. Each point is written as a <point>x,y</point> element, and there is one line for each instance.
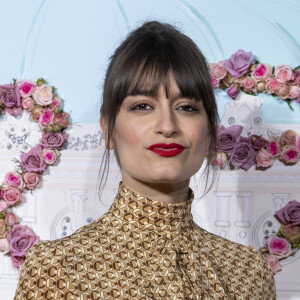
<point>128,134</point>
<point>198,134</point>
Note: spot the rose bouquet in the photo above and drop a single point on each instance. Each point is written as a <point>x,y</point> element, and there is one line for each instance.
<point>45,108</point>
<point>244,152</point>
<point>242,72</point>
<point>286,241</point>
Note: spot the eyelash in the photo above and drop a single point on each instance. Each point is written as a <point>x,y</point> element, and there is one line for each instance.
<point>139,104</point>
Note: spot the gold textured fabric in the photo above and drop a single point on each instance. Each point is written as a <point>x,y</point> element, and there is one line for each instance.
<point>144,249</point>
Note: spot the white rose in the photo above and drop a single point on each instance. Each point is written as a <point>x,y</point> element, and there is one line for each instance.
<point>43,95</point>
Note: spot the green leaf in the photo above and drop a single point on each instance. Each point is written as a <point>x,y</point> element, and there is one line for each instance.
<point>298,67</point>
<point>41,81</point>
<point>288,101</point>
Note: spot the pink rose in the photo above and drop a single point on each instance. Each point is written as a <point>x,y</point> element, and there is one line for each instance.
<point>3,205</point>
<point>294,91</point>
<point>289,213</point>
<point>49,156</point>
<point>298,144</point>
<point>4,245</point>
<point>2,228</point>
<point>43,95</point>
<point>249,84</point>
<point>290,232</point>
<point>283,73</point>
<point>262,72</point>
<point>36,113</point>
<point>272,85</point>
<point>33,161</point>
<point>61,119</point>
<point>239,63</point>
<point>233,91</point>
<point>26,88</point>
<point>27,103</point>
<point>31,180</point>
<point>242,155</point>
<point>21,238</point>
<point>218,70</point>
<point>274,263</point>
<point>46,118</point>
<point>228,138</point>
<point>215,82</point>
<point>11,195</point>
<point>283,91</point>
<point>290,154</point>
<point>11,219</point>
<point>261,85</point>
<point>56,103</point>
<point>53,140</point>
<point>264,158</point>
<point>221,159</point>
<point>288,137</point>
<point>274,147</point>
<point>279,246</point>
<point>13,179</point>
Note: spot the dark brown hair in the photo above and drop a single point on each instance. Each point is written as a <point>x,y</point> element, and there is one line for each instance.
<point>148,56</point>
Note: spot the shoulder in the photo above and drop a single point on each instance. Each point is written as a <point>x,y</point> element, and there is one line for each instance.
<point>47,258</point>
<point>72,244</point>
<point>238,264</point>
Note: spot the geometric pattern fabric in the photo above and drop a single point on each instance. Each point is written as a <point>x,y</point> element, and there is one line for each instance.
<point>144,249</point>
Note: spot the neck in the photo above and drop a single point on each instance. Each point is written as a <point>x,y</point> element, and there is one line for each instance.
<point>177,192</point>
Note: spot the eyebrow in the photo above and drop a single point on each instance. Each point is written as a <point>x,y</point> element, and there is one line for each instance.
<point>151,93</point>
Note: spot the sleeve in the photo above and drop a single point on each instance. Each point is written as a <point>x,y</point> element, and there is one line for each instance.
<point>29,280</point>
<point>265,275</point>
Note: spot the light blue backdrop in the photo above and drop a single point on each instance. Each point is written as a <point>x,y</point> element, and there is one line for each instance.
<point>68,42</point>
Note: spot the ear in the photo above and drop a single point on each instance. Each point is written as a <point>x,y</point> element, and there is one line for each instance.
<point>104,127</point>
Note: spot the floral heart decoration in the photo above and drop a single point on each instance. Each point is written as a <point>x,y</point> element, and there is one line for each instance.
<point>45,108</point>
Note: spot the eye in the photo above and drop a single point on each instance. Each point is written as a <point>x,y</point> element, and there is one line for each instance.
<point>141,106</point>
<point>188,108</point>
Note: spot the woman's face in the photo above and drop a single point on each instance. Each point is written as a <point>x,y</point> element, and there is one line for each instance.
<point>144,121</point>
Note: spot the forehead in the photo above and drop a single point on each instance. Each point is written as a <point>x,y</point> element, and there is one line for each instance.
<point>151,86</point>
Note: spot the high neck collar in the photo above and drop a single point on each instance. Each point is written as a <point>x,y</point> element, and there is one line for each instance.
<point>150,214</point>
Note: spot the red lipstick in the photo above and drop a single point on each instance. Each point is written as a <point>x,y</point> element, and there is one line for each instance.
<point>167,149</point>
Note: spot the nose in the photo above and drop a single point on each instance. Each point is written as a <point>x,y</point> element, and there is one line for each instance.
<point>166,122</point>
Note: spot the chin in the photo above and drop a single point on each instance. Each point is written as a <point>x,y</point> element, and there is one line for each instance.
<point>167,177</point>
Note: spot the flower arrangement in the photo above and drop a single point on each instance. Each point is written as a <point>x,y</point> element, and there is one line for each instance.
<point>241,72</point>
<point>286,241</point>
<point>45,108</point>
<point>244,152</point>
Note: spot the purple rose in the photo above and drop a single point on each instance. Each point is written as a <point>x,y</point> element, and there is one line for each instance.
<point>228,137</point>
<point>33,160</point>
<point>233,91</point>
<point>239,63</point>
<point>11,98</point>
<point>53,140</point>
<point>21,238</point>
<point>289,214</point>
<point>257,142</point>
<point>279,246</point>
<point>243,155</point>
<point>17,261</point>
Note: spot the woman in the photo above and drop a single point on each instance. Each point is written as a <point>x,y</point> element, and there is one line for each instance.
<point>159,115</point>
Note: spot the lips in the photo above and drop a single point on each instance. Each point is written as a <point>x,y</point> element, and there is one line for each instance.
<point>167,149</point>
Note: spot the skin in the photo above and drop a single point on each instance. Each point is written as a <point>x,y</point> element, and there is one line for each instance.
<point>143,121</point>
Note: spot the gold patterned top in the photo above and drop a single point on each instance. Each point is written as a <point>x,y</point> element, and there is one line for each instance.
<point>144,249</point>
